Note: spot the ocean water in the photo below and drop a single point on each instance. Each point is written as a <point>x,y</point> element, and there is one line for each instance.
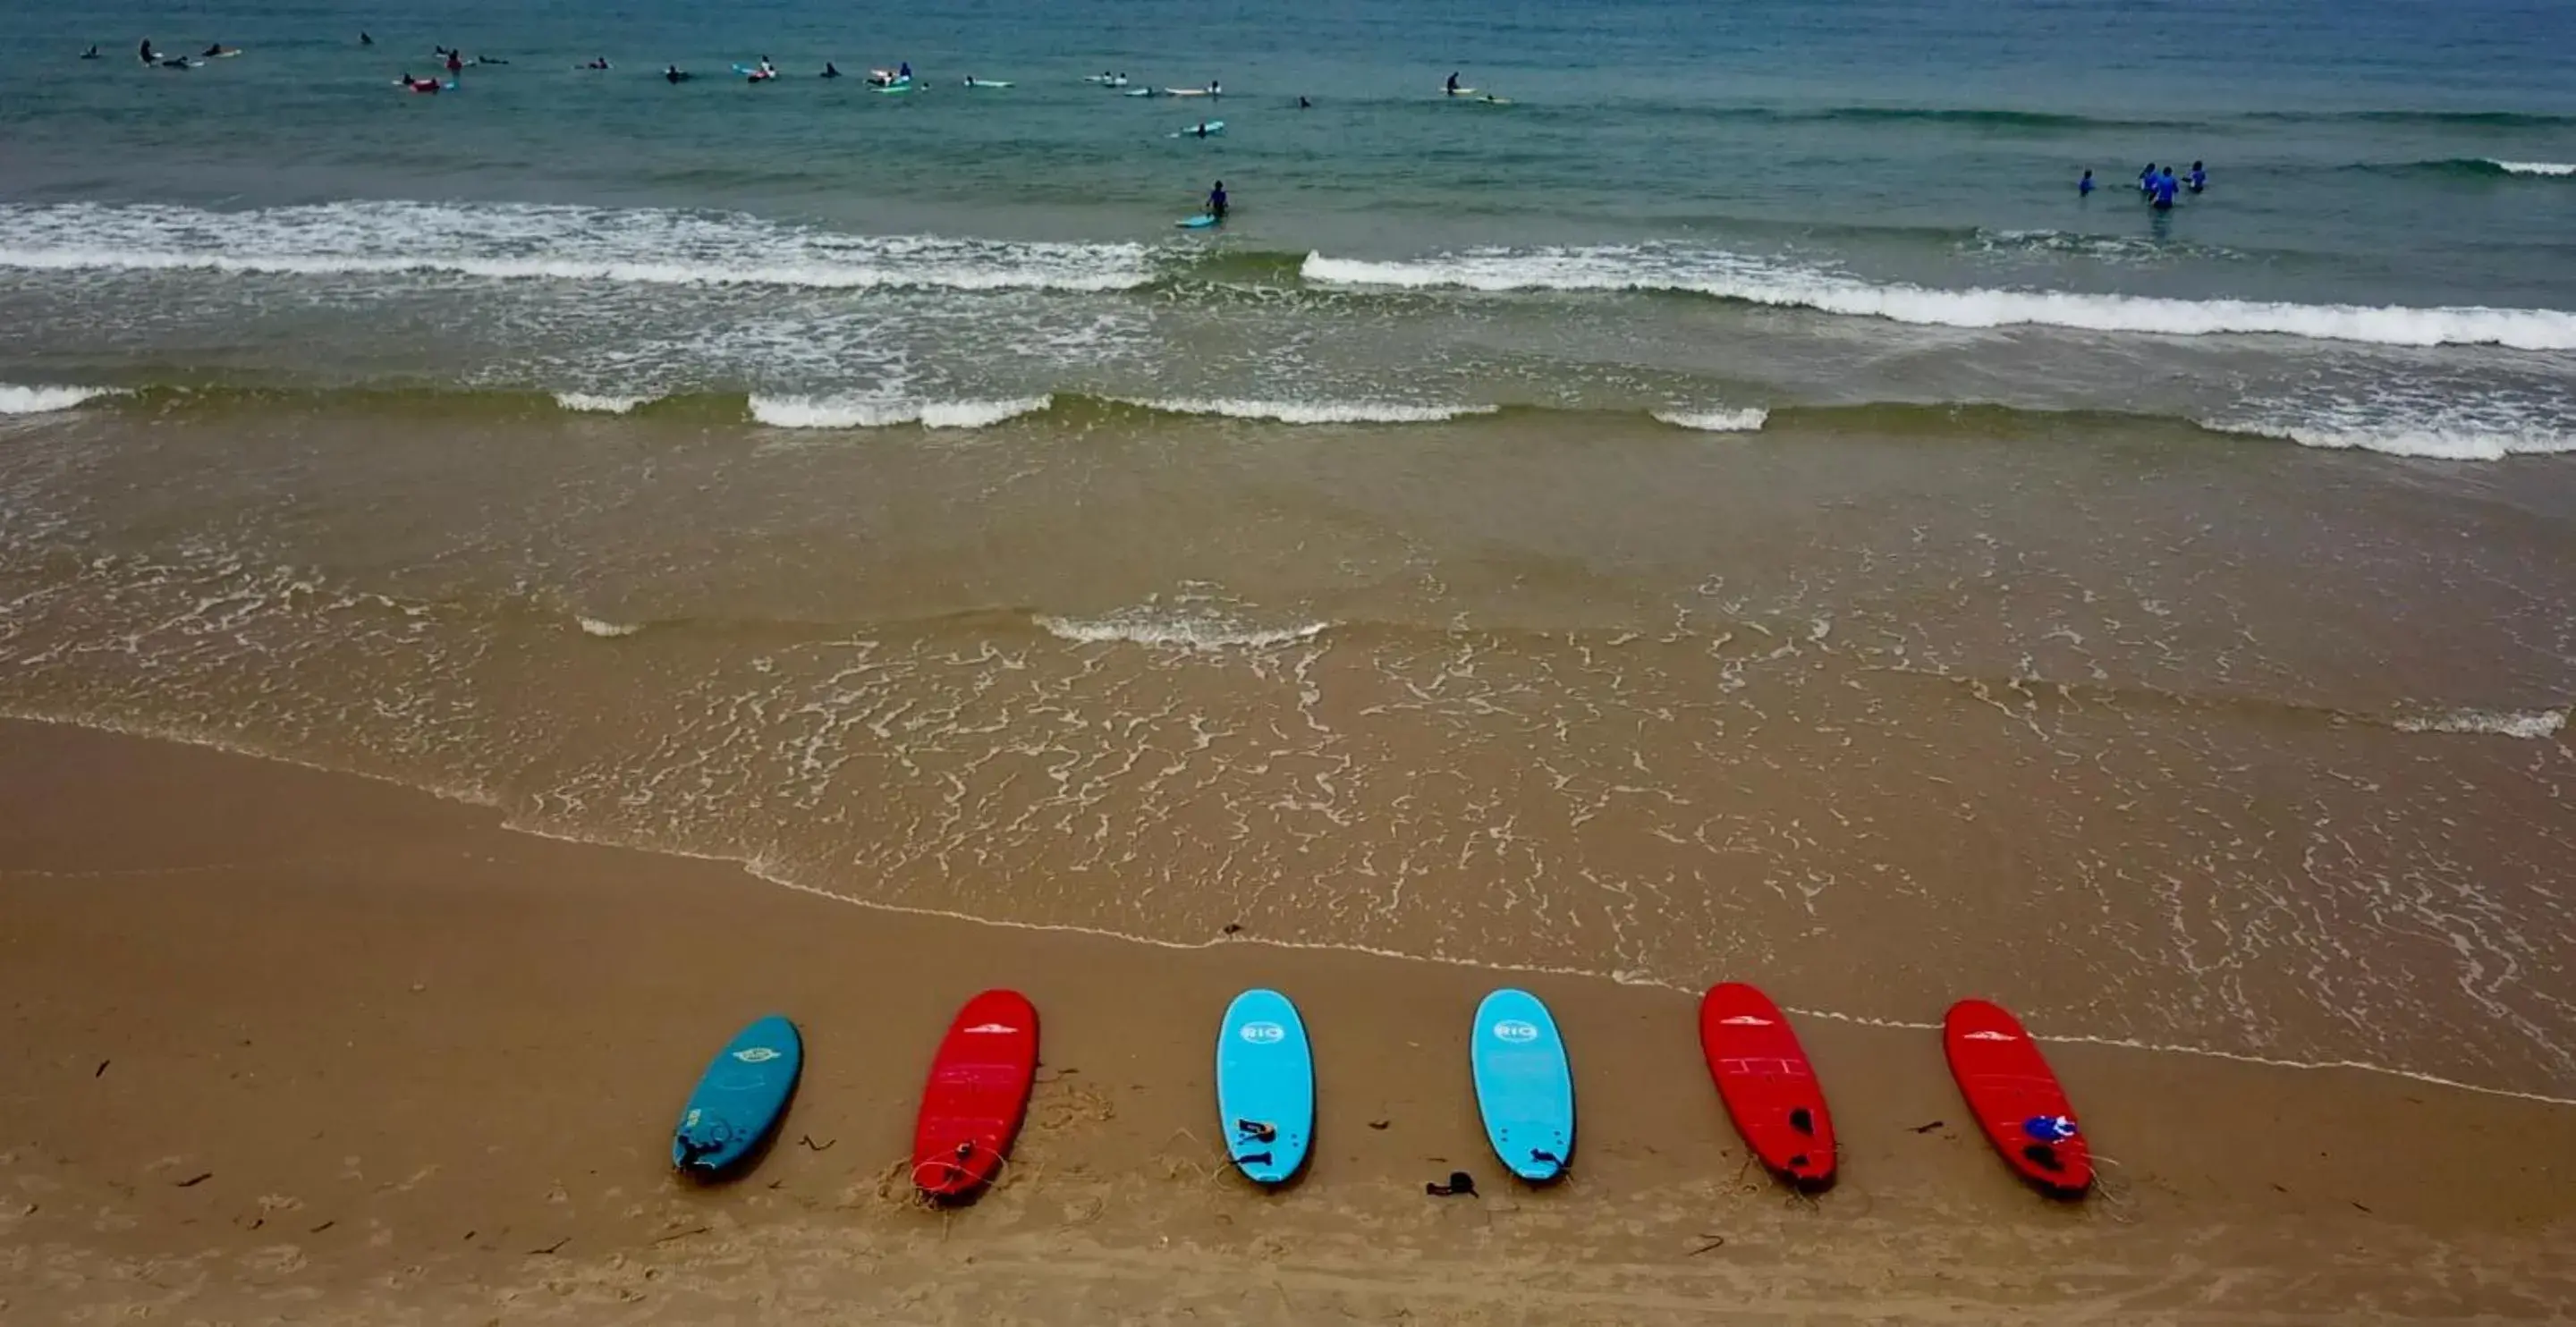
<point>1732,512</point>
<point>1690,213</point>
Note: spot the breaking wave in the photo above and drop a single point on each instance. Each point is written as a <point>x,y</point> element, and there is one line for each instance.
<point>1725,275</point>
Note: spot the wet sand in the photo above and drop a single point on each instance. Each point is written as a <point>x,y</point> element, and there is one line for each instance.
<point>285,1045</point>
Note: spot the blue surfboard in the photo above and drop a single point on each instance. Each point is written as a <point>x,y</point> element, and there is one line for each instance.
<point>740,1099</point>
<point>1265,1086</point>
<point>1200,222</point>
<point>1524,1087</point>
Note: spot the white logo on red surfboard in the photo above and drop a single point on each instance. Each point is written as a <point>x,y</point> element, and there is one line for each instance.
<point>992,1027</point>
<point>1745,1021</point>
<point>1515,1030</point>
<point>1989,1036</point>
<point>1263,1034</point>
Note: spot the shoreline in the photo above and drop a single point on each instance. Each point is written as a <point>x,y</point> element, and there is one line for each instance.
<point>753,871</point>
<point>428,1047</point>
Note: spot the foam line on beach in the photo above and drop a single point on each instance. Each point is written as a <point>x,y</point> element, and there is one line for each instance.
<point>758,869</point>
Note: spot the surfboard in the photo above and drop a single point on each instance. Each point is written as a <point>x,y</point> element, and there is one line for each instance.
<point>1769,1088</point>
<point>1137,92</point>
<point>977,1095</point>
<point>2016,1097</point>
<point>986,83</point>
<point>1214,127</point>
<point>1200,222</point>
<point>1524,1087</point>
<point>739,1100</point>
<point>1265,1086</point>
<point>1460,92</point>
<point>1186,92</point>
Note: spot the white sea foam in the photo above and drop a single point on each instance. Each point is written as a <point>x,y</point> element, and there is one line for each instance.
<point>526,242</point>
<point>1315,412</point>
<point>606,630</point>
<point>1763,281</point>
<point>979,414</point>
<point>2530,725</point>
<point>16,400</point>
<point>2534,167</point>
<point>2400,421</point>
<point>1746,420</point>
<point>832,412</point>
<point>590,403</point>
<point>1193,631</point>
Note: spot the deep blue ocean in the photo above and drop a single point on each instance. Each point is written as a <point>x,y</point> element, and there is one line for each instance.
<point>1702,212</point>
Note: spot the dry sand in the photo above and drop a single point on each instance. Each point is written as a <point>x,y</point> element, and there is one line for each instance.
<point>288,1046</point>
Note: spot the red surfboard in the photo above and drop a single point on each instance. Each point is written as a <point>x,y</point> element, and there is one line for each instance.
<point>977,1096</point>
<point>2016,1098</point>
<point>1769,1087</point>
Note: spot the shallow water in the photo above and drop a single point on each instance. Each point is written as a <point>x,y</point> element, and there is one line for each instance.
<point>1731,513</point>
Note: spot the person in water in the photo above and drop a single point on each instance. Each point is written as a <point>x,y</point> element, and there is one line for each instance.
<point>1202,131</point>
<point>905,71</point>
<point>831,70</point>
<point>2164,195</point>
<point>1215,89</point>
<point>1304,105</point>
<point>2084,187</point>
<point>90,54</point>
<point>2147,180</point>
<point>1216,201</point>
<point>676,74</point>
<point>2199,178</point>
<point>365,40</point>
<point>455,63</point>
<point>1453,82</point>
<point>597,62</point>
<point>144,52</point>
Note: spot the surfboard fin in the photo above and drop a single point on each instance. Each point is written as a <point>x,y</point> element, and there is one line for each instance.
<point>1253,1159</point>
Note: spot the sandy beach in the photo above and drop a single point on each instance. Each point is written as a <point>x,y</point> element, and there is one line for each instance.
<point>285,1045</point>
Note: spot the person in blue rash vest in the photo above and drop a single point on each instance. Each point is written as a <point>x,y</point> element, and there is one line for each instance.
<point>1216,201</point>
<point>2164,192</point>
<point>2199,178</point>
<point>2084,187</point>
<point>2147,180</point>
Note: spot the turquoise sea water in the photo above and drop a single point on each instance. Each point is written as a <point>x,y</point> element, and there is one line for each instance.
<point>1696,212</point>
